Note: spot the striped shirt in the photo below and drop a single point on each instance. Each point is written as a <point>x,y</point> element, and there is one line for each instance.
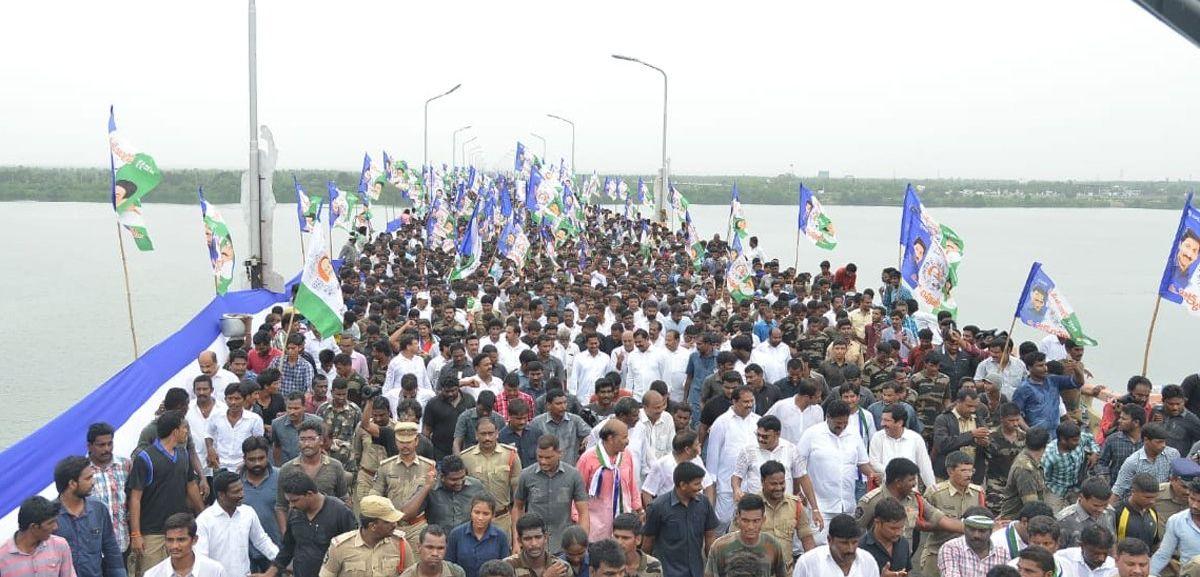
<point>51,558</point>
<point>956,559</point>
<point>109,489</point>
<point>1138,462</point>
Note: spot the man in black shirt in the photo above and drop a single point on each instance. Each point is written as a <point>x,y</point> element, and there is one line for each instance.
<point>716,406</point>
<point>312,522</point>
<point>886,541</point>
<point>270,403</point>
<point>441,415</point>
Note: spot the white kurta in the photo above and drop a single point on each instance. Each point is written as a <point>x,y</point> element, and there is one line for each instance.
<point>831,463</point>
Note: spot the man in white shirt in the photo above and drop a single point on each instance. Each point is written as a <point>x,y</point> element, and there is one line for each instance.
<point>197,417</point>
<point>408,362</point>
<point>179,531</point>
<point>590,365</point>
<point>894,440</point>
<point>841,556</point>
<point>648,312</point>
<point>658,428</point>
<point>643,365</point>
<point>731,432</point>
<point>799,412</point>
<point>495,334</point>
<point>1053,347</point>
<point>209,365</point>
<point>227,430</point>
<point>829,456</point>
<point>1090,558</point>
<point>676,361</point>
<point>227,528</point>
<point>660,476</point>
<point>510,348</point>
<point>746,476</point>
<point>1011,375</point>
<point>772,355</point>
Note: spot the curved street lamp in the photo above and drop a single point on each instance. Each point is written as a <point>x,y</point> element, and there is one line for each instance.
<point>660,201</point>
<point>557,117</point>
<point>425,148</point>
<point>454,145</point>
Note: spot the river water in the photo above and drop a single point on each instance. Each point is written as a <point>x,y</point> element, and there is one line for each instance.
<point>67,329</point>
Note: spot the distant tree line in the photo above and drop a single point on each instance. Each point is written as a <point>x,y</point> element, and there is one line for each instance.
<point>223,186</point>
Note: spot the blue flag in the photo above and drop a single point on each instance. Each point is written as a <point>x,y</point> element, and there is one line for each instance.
<point>458,198</point>
<point>431,221</point>
<point>337,205</point>
<point>471,178</point>
<point>505,200</point>
<point>519,161</point>
<point>1043,307</point>
<point>531,187</point>
<point>1181,278</point>
<point>468,250</point>
<point>364,178</point>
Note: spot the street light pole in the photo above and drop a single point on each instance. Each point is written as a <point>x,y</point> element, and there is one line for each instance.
<point>425,148</point>
<point>660,201</point>
<point>556,117</point>
<point>454,145</point>
<point>464,147</point>
<point>543,144</point>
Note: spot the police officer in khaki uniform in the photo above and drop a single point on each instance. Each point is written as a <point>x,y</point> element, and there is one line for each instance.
<point>377,549</point>
<point>901,482</point>
<point>785,517</point>
<point>376,425</point>
<point>951,497</point>
<point>1173,495</point>
<point>406,479</point>
<point>497,467</point>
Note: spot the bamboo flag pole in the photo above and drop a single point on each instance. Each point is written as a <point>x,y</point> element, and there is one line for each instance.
<point>128,297</point>
<point>796,265</point>
<point>1150,335</point>
<point>1004,354</point>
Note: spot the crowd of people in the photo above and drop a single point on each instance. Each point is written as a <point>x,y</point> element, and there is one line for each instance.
<point>603,406</point>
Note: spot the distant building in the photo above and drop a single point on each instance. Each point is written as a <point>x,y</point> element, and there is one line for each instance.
<point>823,174</point>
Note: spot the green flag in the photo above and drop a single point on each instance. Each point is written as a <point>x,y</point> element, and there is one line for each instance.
<point>134,175</point>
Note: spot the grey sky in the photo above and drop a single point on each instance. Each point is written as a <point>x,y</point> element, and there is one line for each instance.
<point>1022,89</point>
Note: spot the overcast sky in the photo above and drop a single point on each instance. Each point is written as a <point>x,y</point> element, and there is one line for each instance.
<point>1022,89</point>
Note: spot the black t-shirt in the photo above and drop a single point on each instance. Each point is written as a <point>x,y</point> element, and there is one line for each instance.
<point>441,418</point>
<point>272,410</point>
<point>714,408</point>
<point>305,543</point>
<point>163,480</point>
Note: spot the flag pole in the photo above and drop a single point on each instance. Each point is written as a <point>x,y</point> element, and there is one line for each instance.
<point>1150,335</point>
<point>128,297</point>
<point>1008,344</point>
<point>797,263</point>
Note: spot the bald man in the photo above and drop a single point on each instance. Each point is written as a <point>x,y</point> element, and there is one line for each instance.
<point>211,366</point>
<point>608,473</point>
<point>656,427</point>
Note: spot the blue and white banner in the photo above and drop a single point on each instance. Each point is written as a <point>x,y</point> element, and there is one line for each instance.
<point>1181,277</point>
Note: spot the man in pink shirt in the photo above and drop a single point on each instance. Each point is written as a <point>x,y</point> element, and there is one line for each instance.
<point>263,354</point>
<point>34,550</point>
<point>607,470</point>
